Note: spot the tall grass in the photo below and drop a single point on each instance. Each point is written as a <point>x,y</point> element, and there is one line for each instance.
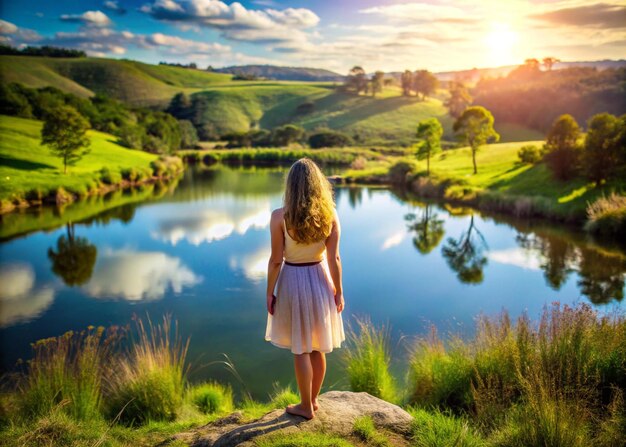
<point>543,384</point>
<point>606,217</point>
<point>367,359</point>
<point>149,379</point>
<point>212,397</point>
<point>67,372</point>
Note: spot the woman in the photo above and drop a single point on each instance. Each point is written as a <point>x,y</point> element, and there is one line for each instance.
<point>304,313</point>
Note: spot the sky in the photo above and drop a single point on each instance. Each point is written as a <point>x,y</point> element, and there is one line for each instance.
<point>388,35</point>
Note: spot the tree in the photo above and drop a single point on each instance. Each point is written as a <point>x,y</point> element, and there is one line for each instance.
<point>428,230</point>
<point>475,125</point>
<point>601,276</point>
<point>459,99</point>
<point>329,138</point>
<point>356,80</point>
<point>601,151</point>
<point>430,131</point>
<point>65,132</point>
<point>180,106</point>
<point>465,255</point>
<point>287,134</point>
<point>188,134</point>
<point>424,82</point>
<point>406,81</point>
<point>549,62</point>
<point>562,147</point>
<point>74,259</point>
<point>377,82</point>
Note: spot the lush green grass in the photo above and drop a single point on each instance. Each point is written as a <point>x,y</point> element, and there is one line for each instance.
<point>503,183</point>
<point>435,429</point>
<point>29,171</point>
<point>367,361</point>
<point>365,430</point>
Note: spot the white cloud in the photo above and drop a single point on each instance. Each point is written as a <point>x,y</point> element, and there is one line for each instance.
<point>134,275</point>
<point>393,240</point>
<point>519,257</point>
<point>198,226</point>
<point>253,266</point>
<point>236,21</point>
<point>179,45</point>
<point>114,5</point>
<point>20,299</point>
<point>88,18</point>
<point>14,35</point>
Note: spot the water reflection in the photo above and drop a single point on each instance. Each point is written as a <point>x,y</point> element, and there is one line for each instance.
<point>253,265</point>
<point>428,230</point>
<point>74,258</point>
<point>198,225</point>
<point>465,255</point>
<point>134,275</point>
<point>20,299</point>
<point>601,273</point>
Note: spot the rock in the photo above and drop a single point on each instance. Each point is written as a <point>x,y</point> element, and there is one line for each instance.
<point>337,413</point>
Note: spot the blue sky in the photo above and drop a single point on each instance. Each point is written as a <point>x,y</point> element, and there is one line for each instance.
<point>377,34</point>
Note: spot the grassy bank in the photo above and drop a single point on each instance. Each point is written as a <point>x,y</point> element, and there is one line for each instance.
<point>29,174</point>
<point>556,382</point>
<point>502,184</point>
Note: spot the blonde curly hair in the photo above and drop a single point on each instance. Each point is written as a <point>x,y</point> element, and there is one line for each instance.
<point>309,204</point>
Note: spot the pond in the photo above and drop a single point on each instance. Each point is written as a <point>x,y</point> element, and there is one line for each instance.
<point>198,250</point>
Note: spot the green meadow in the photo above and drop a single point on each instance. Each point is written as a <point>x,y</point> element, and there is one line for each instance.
<point>29,168</point>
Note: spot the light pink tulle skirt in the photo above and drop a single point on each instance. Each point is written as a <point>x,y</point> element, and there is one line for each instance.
<point>305,316</point>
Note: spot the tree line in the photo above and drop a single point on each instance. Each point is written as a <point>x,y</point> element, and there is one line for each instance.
<point>421,83</point>
<point>136,128</point>
<point>44,51</point>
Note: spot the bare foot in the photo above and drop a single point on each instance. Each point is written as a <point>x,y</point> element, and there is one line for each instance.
<point>300,410</point>
<point>315,404</point>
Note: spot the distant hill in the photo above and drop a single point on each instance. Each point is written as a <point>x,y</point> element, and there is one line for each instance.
<point>130,81</point>
<point>221,105</point>
<point>284,73</point>
<point>475,74</point>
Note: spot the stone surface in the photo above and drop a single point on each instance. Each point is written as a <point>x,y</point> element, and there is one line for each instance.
<point>336,414</point>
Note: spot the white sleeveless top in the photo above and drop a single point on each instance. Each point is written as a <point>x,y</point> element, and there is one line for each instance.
<point>298,253</point>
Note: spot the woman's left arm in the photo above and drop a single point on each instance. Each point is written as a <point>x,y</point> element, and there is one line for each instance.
<point>276,258</point>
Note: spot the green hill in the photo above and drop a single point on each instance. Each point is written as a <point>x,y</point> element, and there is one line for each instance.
<point>241,105</point>
<point>284,73</point>
<point>130,81</point>
<point>27,166</point>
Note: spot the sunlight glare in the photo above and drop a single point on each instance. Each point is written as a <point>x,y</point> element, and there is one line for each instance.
<point>501,40</point>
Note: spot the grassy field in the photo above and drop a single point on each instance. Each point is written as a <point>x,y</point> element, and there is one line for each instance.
<point>27,166</point>
<point>502,182</point>
<point>390,118</point>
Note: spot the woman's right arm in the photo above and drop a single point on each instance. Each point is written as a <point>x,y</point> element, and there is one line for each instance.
<point>334,262</point>
<point>276,257</point>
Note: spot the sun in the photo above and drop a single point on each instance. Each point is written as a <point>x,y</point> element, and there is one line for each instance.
<point>501,41</point>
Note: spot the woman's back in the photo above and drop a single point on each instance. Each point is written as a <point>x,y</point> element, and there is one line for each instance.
<point>298,253</point>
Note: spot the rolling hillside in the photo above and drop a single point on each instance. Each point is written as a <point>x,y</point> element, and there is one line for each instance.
<point>241,105</point>
<point>130,81</point>
<point>284,73</point>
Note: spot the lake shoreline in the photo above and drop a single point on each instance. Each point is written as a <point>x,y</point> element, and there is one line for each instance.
<point>62,197</point>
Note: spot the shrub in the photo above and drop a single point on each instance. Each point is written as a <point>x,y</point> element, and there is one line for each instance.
<point>149,380</point>
<point>529,154</point>
<point>367,359</point>
<point>212,397</point>
<point>400,171</point>
<point>606,217</point>
<point>109,177</point>
<point>358,163</point>
<point>329,138</point>
<point>130,174</point>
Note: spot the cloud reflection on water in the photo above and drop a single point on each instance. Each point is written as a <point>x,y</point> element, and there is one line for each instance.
<point>20,299</point>
<point>134,275</point>
<point>198,225</point>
